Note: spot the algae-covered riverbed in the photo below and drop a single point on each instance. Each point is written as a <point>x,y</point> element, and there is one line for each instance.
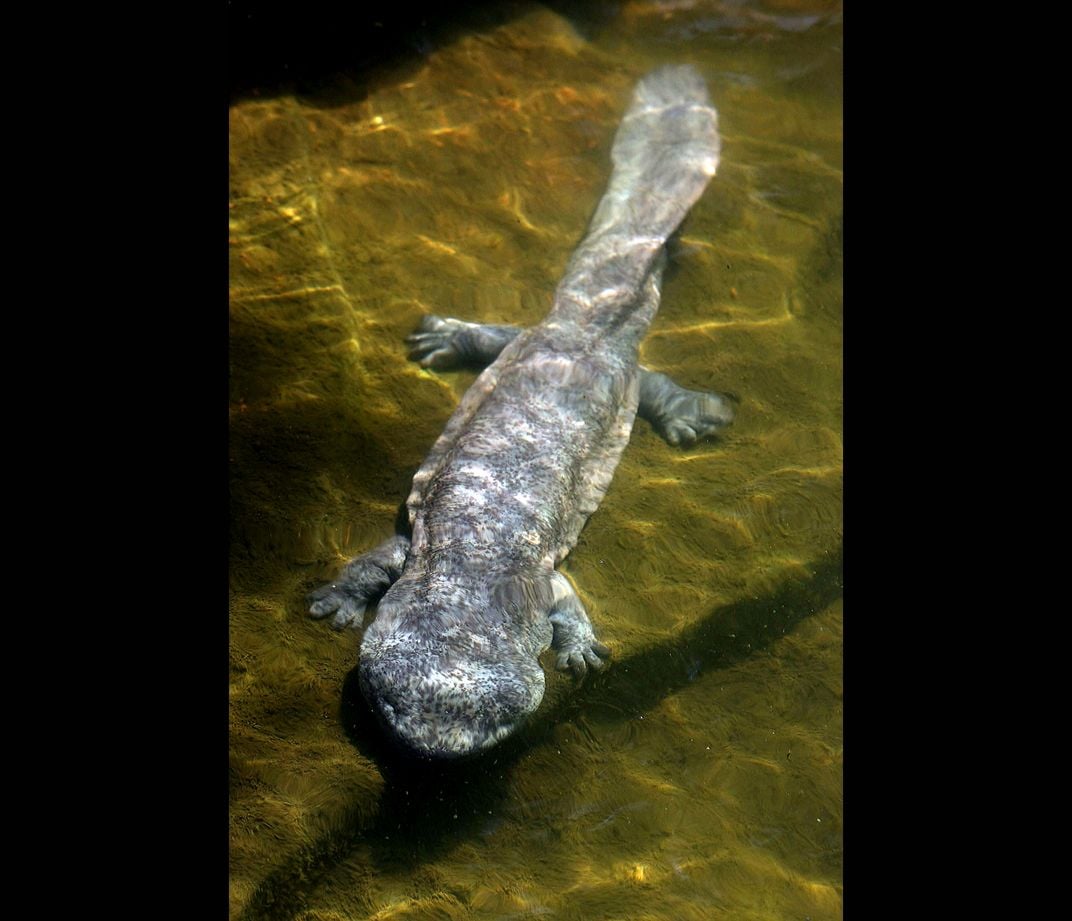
<point>699,776</point>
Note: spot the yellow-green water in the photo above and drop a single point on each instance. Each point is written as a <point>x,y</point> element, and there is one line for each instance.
<point>701,775</point>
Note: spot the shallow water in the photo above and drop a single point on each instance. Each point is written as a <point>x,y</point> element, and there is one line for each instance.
<point>700,775</point>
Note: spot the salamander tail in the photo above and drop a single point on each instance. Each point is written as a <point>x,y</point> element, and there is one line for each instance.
<point>665,152</point>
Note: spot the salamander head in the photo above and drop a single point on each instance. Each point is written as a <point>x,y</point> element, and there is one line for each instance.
<point>440,703</point>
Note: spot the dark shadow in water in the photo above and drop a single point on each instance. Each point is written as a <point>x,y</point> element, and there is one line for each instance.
<point>331,51</point>
<point>728,635</point>
<point>427,809</point>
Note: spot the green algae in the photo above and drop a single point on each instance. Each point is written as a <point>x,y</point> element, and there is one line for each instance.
<point>700,776</point>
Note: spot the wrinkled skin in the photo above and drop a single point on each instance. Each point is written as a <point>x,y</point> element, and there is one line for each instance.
<point>469,602</point>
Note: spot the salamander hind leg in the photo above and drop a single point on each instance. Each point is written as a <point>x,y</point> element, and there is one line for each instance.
<point>443,342</point>
<point>681,416</point>
<point>362,581</point>
<point>574,639</point>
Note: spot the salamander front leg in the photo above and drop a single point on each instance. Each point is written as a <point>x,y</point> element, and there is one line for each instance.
<point>574,640</point>
<point>362,581</point>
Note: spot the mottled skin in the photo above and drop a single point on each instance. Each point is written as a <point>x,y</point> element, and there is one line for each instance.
<point>467,605</point>
<point>681,416</point>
